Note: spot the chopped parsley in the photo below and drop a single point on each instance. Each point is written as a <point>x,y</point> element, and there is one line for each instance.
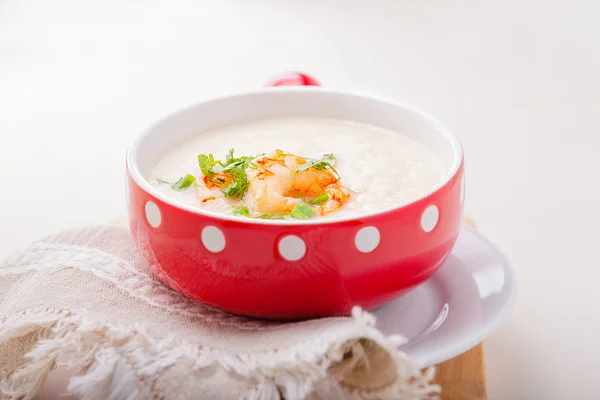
<point>184,183</point>
<point>328,161</point>
<point>245,212</point>
<point>242,210</point>
<point>272,216</point>
<point>233,167</point>
<point>206,164</point>
<point>239,185</point>
<point>303,211</point>
<point>320,199</point>
<point>330,158</point>
<point>229,156</point>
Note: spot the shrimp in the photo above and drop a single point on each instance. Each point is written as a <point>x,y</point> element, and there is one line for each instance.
<point>276,185</point>
<point>270,183</point>
<point>338,196</point>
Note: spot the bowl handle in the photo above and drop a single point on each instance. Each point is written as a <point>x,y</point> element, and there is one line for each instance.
<point>293,79</point>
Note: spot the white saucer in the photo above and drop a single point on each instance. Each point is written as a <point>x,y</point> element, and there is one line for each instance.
<point>458,307</point>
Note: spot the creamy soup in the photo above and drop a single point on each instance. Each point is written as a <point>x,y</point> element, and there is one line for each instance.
<point>298,168</point>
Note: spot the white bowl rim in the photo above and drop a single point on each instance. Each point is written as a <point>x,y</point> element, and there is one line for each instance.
<point>138,178</point>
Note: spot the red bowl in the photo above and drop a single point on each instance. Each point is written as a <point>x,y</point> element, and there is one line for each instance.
<point>292,269</point>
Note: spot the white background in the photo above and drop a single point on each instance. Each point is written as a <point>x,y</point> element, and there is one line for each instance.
<point>519,81</point>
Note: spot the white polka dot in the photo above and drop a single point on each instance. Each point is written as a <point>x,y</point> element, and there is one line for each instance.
<point>367,239</point>
<point>430,218</point>
<point>213,239</point>
<point>462,189</point>
<point>153,214</point>
<point>292,248</point>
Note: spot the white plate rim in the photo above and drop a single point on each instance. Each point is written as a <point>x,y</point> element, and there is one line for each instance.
<point>475,336</point>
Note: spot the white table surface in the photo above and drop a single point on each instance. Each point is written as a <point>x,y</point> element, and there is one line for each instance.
<point>517,80</point>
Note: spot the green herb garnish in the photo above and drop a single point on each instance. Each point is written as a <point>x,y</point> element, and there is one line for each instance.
<point>237,188</point>
<point>163,182</point>
<point>302,211</point>
<point>320,199</point>
<point>234,167</point>
<point>328,161</point>
<point>229,156</point>
<point>329,158</point>
<point>273,216</point>
<point>184,183</point>
<point>245,212</point>
<point>242,210</point>
<point>206,163</point>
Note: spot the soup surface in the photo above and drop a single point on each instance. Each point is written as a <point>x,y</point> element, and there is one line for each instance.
<point>297,168</point>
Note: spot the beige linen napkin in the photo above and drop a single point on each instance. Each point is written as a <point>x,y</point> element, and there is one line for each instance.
<point>86,300</point>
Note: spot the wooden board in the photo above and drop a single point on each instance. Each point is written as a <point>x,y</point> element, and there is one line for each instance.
<point>461,378</point>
